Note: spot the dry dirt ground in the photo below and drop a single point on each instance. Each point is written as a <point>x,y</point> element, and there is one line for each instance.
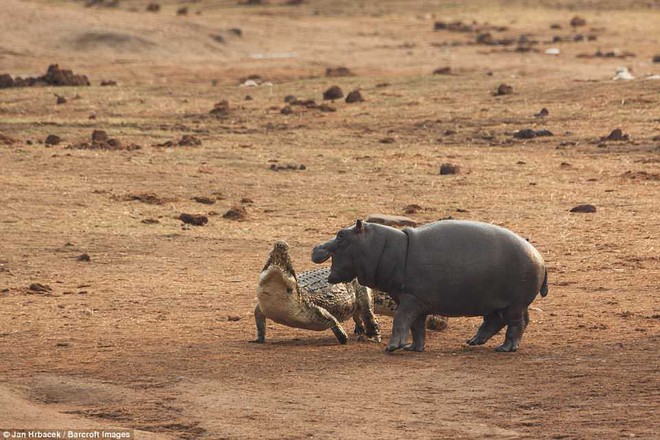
<point>151,333</point>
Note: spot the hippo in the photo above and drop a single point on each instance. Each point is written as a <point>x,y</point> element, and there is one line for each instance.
<point>449,268</point>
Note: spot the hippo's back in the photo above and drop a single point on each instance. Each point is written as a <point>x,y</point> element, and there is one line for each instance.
<point>466,268</point>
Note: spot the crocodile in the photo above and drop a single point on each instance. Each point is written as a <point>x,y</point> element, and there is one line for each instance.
<point>309,302</point>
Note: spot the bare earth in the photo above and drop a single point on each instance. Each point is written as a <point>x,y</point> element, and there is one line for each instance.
<point>152,332</point>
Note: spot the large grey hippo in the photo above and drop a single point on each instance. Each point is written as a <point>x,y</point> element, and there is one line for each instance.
<point>450,268</point>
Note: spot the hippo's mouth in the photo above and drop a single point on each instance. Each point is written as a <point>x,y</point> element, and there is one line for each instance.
<point>320,255</point>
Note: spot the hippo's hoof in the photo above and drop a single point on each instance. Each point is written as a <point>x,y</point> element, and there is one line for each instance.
<point>506,348</point>
<point>413,347</point>
<point>391,348</point>
<point>475,341</point>
<point>257,341</point>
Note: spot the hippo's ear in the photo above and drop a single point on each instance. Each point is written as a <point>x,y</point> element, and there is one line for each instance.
<point>359,226</point>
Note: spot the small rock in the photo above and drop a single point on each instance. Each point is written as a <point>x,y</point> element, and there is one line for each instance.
<point>616,135</point>
<point>412,208</point>
<point>504,89</point>
<point>60,100</point>
<point>204,200</point>
<point>333,93</point>
<point>442,71</point>
<point>448,168</point>
<point>542,114</point>
<point>108,83</point>
<point>221,109</point>
<point>236,213</point>
<point>584,209</point>
<point>182,11</point>
<point>188,140</point>
<point>391,220</point>
<point>656,59</point>
<point>40,288</point>
<point>623,74</point>
<point>578,21</point>
<point>286,110</point>
<point>150,221</point>
<point>233,318</point>
<point>336,72</point>
<point>525,133</point>
<point>153,7</point>
<point>326,108</point>
<point>236,31</point>
<point>99,136</point>
<point>388,140</point>
<point>52,139</point>
<point>249,201</point>
<point>354,96</point>
<point>289,99</point>
<point>194,219</point>
<point>248,98</point>
<point>84,257</point>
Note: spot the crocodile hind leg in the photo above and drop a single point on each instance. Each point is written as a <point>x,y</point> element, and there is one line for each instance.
<point>436,322</point>
<point>260,320</point>
<point>329,321</point>
<point>365,311</point>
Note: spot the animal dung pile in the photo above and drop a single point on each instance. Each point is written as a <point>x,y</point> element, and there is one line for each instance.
<point>584,209</point>
<point>616,135</point>
<point>529,133</point>
<point>194,219</point>
<point>354,96</point>
<point>236,213</point>
<point>504,89</point>
<point>449,168</point>
<point>101,141</point>
<point>52,139</point>
<point>54,77</point>
<point>333,93</point>
<point>220,109</point>
<point>187,140</point>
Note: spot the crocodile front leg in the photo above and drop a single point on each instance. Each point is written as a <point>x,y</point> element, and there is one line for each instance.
<point>326,318</point>
<point>365,308</point>
<point>260,320</point>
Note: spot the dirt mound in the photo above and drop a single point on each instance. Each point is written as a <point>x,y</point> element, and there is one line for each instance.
<point>101,141</point>
<point>54,77</point>
<point>118,41</point>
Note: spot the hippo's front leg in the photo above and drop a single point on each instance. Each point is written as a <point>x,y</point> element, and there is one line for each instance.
<point>418,329</point>
<point>408,313</point>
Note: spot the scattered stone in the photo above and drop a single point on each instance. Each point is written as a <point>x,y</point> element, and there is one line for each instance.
<point>54,77</point>
<point>616,135</point>
<point>233,318</point>
<point>412,208</point>
<point>52,139</point>
<point>40,288</point>
<point>542,114</point>
<point>153,7</point>
<point>99,136</point>
<point>555,26</point>
<point>622,73</point>
<point>528,133</point>
<point>641,175</point>
<point>148,198</point>
<point>182,11</point>
<point>60,100</point>
<point>194,219</point>
<point>288,167</point>
<point>333,93</point>
<point>84,257</point>
<point>221,109</point>
<point>218,38</point>
<point>286,110</point>
<point>656,59</point>
<point>6,140</point>
<point>188,140</point>
<point>584,209</point>
<point>387,140</point>
<point>354,96</point>
<point>108,83</point>
<point>448,168</point>
<point>235,31</point>
<point>391,220</point>
<point>290,99</point>
<point>578,21</point>
<point>442,71</point>
<point>504,89</point>
<point>236,213</point>
<point>204,200</point>
<point>248,98</point>
<point>249,201</point>
<point>150,221</point>
<point>326,108</point>
<point>336,72</point>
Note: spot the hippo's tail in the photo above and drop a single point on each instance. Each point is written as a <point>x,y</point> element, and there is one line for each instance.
<point>544,286</point>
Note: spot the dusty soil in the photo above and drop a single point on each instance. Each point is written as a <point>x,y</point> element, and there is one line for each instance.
<point>151,331</point>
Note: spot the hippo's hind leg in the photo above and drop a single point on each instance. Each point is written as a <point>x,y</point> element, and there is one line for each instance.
<point>493,323</point>
<point>330,322</point>
<point>516,319</point>
<point>260,320</point>
<point>407,314</point>
<point>418,329</point>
